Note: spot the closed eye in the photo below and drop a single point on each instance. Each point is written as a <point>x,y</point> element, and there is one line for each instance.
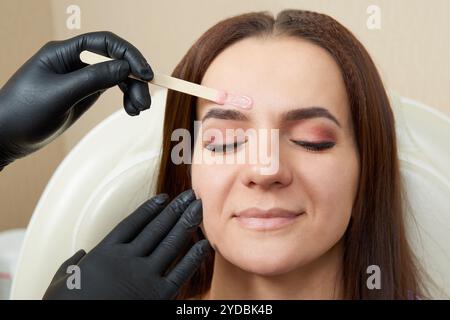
<point>310,146</point>
<point>224,148</point>
<point>315,146</point>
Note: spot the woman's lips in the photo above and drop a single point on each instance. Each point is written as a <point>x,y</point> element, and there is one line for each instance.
<point>257,219</point>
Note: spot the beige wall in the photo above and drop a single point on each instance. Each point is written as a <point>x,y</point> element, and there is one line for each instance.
<point>412,51</point>
<point>24,27</point>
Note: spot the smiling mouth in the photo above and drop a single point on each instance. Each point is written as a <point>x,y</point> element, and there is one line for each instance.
<point>266,220</point>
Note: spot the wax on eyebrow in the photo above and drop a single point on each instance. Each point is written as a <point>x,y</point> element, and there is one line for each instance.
<point>241,101</point>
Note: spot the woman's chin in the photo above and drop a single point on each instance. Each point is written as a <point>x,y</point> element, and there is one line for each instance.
<point>266,263</point>
<point>267,269</point>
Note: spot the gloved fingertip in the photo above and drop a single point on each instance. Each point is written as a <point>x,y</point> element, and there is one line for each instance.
<point>129,107</point>
<point>187,195</point>
<point>161,198</point>
<point>204,246</point>
<point>146,72</point>
<point>132,113</point>
<point>149,104</point>
<point>195,215</point>
<point>143,104</point>
<point>81,252</point>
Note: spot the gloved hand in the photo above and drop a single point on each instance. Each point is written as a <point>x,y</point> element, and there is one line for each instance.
<point>54,88</point>
<point>131,261</point>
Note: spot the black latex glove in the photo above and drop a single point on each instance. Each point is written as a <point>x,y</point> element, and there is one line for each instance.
<point>131,262</point>
<point>54,88</point>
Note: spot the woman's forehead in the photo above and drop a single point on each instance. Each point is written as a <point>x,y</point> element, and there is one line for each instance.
<point>278,74</point>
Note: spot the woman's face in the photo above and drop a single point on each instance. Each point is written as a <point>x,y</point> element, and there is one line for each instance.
<point>300,211</point>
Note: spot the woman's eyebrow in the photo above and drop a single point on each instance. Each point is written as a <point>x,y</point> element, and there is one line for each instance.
<point>224,114</point>
<point>291,115</point>
<point>308,113</point>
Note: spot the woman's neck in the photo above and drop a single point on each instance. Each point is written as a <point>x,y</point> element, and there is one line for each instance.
<point>320,279</point>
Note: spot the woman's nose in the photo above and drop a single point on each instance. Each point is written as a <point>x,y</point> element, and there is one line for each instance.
<point>254,176</point>
<point>269,170</point>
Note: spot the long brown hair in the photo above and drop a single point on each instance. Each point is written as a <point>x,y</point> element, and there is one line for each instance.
<point>376,233</point>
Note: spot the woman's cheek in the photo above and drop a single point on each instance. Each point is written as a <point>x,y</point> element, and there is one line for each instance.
<point>210,185</point>
<point>330,183</point>
<point>333,176</point>
<point>209,228</point>
<point>214,217</point>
